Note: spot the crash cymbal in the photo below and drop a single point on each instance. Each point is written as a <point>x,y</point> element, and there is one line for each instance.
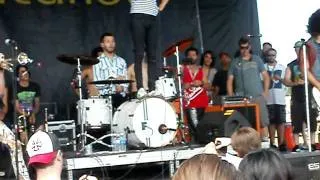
<point>182,45</point>
<point>73,59</point>
<point>111,81</point>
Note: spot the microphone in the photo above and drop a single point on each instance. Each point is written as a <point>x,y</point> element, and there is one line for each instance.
<point>9,42</point>
<point>254,35</point>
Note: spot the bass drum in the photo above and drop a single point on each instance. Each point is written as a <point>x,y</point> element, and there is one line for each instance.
<point>143,118</point>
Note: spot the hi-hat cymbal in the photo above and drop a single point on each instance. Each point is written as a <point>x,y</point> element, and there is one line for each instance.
<point>73,59</point>
<point>111,81</point>
<point>182,45</point>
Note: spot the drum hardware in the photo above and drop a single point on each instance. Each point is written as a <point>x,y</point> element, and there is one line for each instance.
<point>46,119</point>
<point>23,58</point>
<point>142,126</point>
<point>111,81</point>
<point>79,60</point>
<point>166,87</point>
<point>99,140</point>
<point>91,107</point>
<point>174,50</point>
<point>74,59</point>
<point>164,129</point>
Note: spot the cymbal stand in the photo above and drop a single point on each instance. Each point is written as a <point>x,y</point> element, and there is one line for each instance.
<point>164,65</point>
<point>111,134</point>
<point>181,122</point>
<point>80,107</point>
<point>46,128</point>
<point>110,106</point>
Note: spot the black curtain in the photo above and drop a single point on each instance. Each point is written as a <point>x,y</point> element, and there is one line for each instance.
<point>44,32</point>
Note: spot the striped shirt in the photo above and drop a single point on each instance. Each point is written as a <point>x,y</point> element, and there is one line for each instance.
<point>149,7</point>
<point>107,68</point>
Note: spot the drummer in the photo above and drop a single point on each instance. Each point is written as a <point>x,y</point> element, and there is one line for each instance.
<point>110,66</point>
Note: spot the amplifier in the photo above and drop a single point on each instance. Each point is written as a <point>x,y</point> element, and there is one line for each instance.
<point>305,165</point>
<point>65,132</point>
<point>234,99</point>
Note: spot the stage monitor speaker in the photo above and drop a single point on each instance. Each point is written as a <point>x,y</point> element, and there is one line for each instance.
<point>305,165</point>
<point>246,111</point>
<point>6,169</point>
<point>219,124</point>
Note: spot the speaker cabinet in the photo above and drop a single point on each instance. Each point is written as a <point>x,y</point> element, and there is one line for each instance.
<point>305,165</point>
<point>219,124</point>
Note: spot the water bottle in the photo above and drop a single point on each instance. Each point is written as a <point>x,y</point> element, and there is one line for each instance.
<point>115,143</point>
<point>123,143</point>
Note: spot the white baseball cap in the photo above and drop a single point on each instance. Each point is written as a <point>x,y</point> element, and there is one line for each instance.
<point>42,148</point>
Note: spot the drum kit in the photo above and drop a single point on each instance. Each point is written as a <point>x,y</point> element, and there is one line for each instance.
<point>151,121</point>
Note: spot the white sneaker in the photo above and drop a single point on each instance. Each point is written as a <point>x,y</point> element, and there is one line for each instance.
<point>141,93</point>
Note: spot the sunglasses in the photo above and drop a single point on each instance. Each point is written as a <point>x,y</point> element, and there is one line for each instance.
<point>271,55</point>
<point>244,47</point>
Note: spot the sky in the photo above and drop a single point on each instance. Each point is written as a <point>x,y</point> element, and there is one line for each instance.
<point>283,22</point>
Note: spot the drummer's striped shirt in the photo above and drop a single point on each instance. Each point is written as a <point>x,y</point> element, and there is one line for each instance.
<point>109,68</point>
<point>149,7</point>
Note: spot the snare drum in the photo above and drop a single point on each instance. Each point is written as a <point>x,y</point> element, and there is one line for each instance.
<point>143,118</point>
<point>95,112</point>
<point>166,87</point>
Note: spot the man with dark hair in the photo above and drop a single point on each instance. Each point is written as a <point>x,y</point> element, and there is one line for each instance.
<point>276,99</point>
<point>313,50</point>
<point>195,84</point>
<point>245,71</point>
<point>313,55</point>
<point>27,102</point>
<point>265,47</point>
<point>294,79</point>
<point>110,66</point>
<point>145,38</point>
<point>220,79</point>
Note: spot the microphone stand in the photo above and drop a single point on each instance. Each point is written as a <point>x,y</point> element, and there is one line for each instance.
<point>306,89</point>
<point>14,49</point>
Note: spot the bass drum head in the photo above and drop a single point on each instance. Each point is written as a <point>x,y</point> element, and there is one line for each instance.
<point>143,118</point>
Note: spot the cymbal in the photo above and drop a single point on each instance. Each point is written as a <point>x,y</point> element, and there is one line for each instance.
<point>182,45</point>
<point>73,59</point>
<point>111,81</point>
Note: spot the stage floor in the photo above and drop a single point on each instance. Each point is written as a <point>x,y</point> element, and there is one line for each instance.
<point>133,164</point>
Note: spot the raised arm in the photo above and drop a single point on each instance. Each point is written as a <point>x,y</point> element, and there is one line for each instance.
<point>163,4</point>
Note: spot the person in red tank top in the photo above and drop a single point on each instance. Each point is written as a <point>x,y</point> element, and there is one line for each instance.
<point>195,94</point>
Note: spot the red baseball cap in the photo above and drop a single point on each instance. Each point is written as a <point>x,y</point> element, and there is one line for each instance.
<point>42,148</point>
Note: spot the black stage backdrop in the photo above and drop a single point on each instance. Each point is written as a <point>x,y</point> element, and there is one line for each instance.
<point>46,28</point>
